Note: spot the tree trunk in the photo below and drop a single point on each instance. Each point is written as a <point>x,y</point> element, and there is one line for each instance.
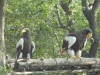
<point>89,12</point>
<point>93,26</point>
<point>2,44</point>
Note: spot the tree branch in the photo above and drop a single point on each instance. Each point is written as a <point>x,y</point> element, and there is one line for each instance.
<point>96,5</point>
<point>58,15</point>
<point>84,8</point>
<point>66,7</point>
<point>84,4</point>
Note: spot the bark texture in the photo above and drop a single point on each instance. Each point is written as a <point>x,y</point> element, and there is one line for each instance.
<point>2,44</point>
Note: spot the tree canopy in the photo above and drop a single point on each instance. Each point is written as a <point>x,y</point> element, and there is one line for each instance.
<point>41,17</point>
<point>49,22</point>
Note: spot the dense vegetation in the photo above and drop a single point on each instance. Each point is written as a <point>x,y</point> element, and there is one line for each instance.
<point>40,16</point>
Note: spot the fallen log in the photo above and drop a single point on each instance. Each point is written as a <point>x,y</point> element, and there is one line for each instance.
<point>54,64</point>
<point>56,61</point>
<point>53,72</point>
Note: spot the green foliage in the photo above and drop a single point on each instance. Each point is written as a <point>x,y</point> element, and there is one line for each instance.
<point>4,70</point>
<point>41,18</point>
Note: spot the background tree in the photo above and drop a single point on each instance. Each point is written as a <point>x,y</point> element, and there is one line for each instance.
<point>49,22</point>
<point>90,12</point>
<point>67,7</point>
<point>2,43</point>
<point>42,19</point>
